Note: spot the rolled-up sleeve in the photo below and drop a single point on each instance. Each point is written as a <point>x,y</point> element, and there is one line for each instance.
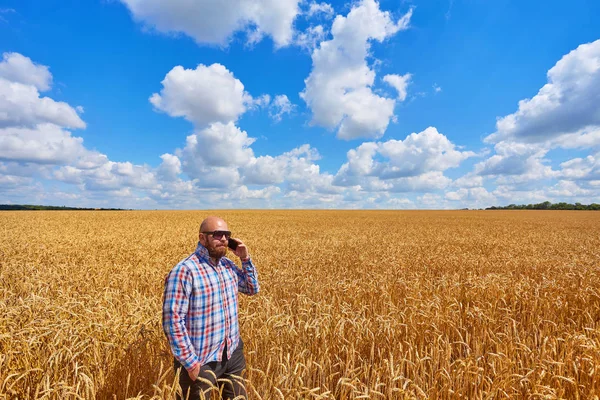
<point>176,300</point>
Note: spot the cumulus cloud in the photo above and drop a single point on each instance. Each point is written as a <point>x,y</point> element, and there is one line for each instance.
<point>36,142</point>
<point>170,167</point>
<point>16,67</point>
<point>43,144</point>
<point>110,176</point>
<point>584,138</point>
<point>476,197</point>
<point>568,103</point>
<point>339,87</point>
<point>399,203</point>
<point>400,83</point>
<point>21,81</point>
<point>430,200</point>
<point>8,182</point>
<point>563,190</point>
<point>516,163</point>
<point>295,168</point>
<point>203,95</point>
<point>565,113</point>
<point>420,153</point>
<point>415,164</point>
<point>219,153</point>
<point>21,105</point>
<point>214,22</point>
<point>468,181</point>
<point>213,155</point>
<point>265,170</point>
<point>243,193</point>
<point>33,129</point>
<point>587,168</point>
<point>566,189</point>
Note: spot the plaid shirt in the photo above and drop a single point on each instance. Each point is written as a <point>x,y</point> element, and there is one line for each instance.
<point>200,307</point>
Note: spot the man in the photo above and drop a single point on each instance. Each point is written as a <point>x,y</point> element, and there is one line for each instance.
<point>200,313</point>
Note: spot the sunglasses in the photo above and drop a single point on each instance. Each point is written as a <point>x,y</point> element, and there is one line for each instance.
<point>218,235</point>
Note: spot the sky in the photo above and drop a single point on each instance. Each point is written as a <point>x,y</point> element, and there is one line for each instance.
<point>220,104</point>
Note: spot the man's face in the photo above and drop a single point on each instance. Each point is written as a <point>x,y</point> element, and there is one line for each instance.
<point>217,248</point>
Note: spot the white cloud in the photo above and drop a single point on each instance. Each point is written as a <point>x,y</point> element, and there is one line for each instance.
<point>12,181</point>
<point>400,83</point>
<point>25,170</point>
<point>21,105</point>
<point>339,88</point>
<point>262,101</point>
<point>516,163</point>
<point>170,167</point>
<point>583,138</point>
<point>468,181</point>
<point>430,200</point>
<point>310,37</point>
<point>18,68</point>
<point>215,21</point>
<point>221,145</point>
<point>295,168</point>
<point>265,170</point>
<point>565,113</point>
<point>399,203</point>
<point>213,155</point>
<point>320,8</point>
<point>587,168</point>
<point>219,153</point>
<point>33,129</point>
<point>429,181</point>
<point>281,105</point>
<point>243,193</point>
<point>360,160</point>
<point>568,103</point>
<point>566,189</point>
<point>203,95</point>
<point>43,144</point>
<point>117,177</point>
<point>428,150</point>
<point>476,197</point>
<point>419,154</point>
<point>563,190</point>
<point>436,88</point>
<point>35,142</point>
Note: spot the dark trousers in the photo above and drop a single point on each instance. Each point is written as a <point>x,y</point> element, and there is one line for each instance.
<point>224,370</point>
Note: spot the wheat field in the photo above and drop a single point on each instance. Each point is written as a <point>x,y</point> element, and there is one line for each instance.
<point>353,304</point>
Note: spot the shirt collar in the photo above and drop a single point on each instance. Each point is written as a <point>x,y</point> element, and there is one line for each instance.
<point>202,254</point>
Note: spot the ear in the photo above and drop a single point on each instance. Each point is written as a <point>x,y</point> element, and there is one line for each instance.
<point>202,239</point>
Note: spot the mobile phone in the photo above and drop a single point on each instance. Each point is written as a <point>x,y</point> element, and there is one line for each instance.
<point>232,244</point>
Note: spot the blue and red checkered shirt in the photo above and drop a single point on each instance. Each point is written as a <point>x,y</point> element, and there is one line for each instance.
<point>200,307</point>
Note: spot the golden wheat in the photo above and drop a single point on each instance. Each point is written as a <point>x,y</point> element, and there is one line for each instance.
<point>354,304</point>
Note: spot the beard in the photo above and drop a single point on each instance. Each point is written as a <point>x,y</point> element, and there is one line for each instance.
<point>216,252</point>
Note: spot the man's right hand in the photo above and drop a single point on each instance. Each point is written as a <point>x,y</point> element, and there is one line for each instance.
<point>194,372</point>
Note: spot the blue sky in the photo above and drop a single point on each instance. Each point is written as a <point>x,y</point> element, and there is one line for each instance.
<point>155,104</point>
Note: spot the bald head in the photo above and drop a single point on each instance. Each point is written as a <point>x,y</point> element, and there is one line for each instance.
<point>213,223</point>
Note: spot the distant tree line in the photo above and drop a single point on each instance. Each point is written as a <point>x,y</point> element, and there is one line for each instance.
<point>36,207</point>
<point>549,206</point>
